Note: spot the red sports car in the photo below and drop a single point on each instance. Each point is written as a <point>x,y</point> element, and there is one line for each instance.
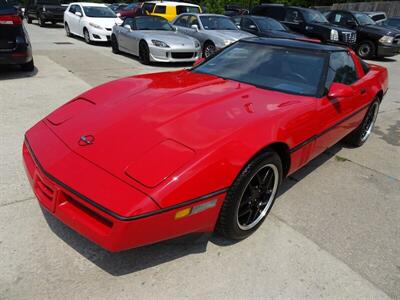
<point>156,156</point>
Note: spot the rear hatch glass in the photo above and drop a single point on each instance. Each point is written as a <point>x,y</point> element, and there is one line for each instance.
<point>8,34</point>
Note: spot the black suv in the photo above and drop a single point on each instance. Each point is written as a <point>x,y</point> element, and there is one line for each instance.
<point>44,11</point>
<point>307,21</point>
<point>15,47</point>
<point>372,40</point>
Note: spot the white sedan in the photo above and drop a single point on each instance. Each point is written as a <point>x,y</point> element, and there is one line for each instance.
<point>91,21</point>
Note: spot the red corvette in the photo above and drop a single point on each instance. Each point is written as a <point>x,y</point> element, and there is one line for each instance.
<point>152,157</point>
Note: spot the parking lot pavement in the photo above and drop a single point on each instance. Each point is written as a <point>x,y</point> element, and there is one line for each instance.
<point>334,231</point>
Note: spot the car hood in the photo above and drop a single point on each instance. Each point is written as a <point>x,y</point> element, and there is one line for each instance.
<point>380,30</point>
<point>170,37</point>
<point>229,35</point>
<point>103,22</point>
<point>282,34</point>
<point>142,129</point>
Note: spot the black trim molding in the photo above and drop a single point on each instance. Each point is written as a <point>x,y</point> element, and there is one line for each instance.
<point>109,212</point>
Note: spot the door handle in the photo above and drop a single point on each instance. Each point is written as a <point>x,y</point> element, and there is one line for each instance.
<point>363,91</point>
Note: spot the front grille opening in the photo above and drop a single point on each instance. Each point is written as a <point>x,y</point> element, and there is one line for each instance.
<point>87,212</point>
<point>44,189</point>
<point>179,55</point>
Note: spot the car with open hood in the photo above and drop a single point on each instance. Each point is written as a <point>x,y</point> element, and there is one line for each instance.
<point>156,156</point>
<point>153,39</point>
<point>213,31</point>
<point>372,40</point>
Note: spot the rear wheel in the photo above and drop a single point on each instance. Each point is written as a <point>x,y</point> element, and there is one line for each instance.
<point>28,19</point>
<point>86,36</point>
<point>67,30</point>
<point>30,66</point>
<point>366,49</point>
<point>250,198</point>
<point>53,22</point>
<point>360,135</point>
<point>114,44</point>
<point>144,53</point>
<point>209,49</point>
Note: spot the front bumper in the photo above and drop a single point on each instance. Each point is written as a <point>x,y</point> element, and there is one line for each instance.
<point>158,54</point>
<point>106,228</point>
<point>385,51</point>
<point>100,35</point>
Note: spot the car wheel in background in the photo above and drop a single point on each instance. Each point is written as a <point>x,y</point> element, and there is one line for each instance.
<point>360,135</point>
<point>67,31</point>
<point>251,196</point>
<point>114,44</point>
<point>53,22</point>
<point>366,49</point>
<point>30,66</point>
<point>86,36</point>
<point>41,22</point>
<point>209,49</point>
<point>144,53</point>
<point>28,19</point>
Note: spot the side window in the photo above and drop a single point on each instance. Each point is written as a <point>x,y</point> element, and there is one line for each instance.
<point>341,69</point>
<point>193,21</point>
<point>182,21</point>
<point>236,20</point>
<point>148,7</point>
<point>160,9</point>
<point>341,18</point>
<point>79,9</point>
<point>293,16</point>
<point>72,9</point>
<point>130,22</point>
<point>248,24</point>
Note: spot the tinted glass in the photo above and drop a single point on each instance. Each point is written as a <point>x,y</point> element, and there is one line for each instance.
<point>364,19</point>
<point>152,23</point>
<point>314,16</point>
<point>182,21</point>
<point>160,9</point>
<point>341,69</point>
<point>248,24</point>
<point>217,23</point>
<point>130,22</point>
<point>287,70</point>
<point>98,12</point>
<point>293,16</point>
<point>180,9</point>
<point>341,18</point>
<point>148,7</point>
<point>269,24</point>
<point>130,6</point>
<point>393,22</point>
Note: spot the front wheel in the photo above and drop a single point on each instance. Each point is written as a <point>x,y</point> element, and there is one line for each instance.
<point>251,197</point>
<point>366,49</point>
<point>114,44</point>
<point>41,22</point>
<point>86,36</point>
<point>67,30</point>
<point>28,19</point>
<point>144,53</point>
<point>209,49</point>
<point>360,135</point>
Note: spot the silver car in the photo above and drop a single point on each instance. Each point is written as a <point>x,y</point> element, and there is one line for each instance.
<point>153,39</point>
<point>213,31</point>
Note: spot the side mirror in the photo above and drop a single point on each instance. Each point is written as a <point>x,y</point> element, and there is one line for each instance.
<point>78,13</point>
<point>298,21</point>
<point>128,27</point>
<point>238,26</point>
<point>198,61</point>
<point>195,27</point>
<point>119,22</point>
<point>253,27</point>
<point>340,90</point>
<point>175,28</point>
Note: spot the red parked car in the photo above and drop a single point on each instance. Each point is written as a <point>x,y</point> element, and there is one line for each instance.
<point>131,10</point>
<point>156,156</point>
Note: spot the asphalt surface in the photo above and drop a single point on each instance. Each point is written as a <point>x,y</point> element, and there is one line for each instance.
<point>333,233</point>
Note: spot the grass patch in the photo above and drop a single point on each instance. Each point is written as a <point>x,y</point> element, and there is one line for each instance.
<point>340,158</point>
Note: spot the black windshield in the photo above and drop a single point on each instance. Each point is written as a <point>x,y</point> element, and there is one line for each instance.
<point>364,19</point>
<point>266,24</point>
<point>287,70</point>
<point>314,16</point>
<point>98,12</point>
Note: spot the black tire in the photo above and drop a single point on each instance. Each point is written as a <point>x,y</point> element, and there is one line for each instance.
<point>242,196</point>
<point>86,36</point>
<point>366,49</point>
<point>67,30</point>
<point>360,135</point>
<point>28,19</point>
<point>209,49</point>
<point>144,53</point>
<point>41,22</point>
<point>28,67</point>
<point>53,22</point>
<point>114,44</point>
